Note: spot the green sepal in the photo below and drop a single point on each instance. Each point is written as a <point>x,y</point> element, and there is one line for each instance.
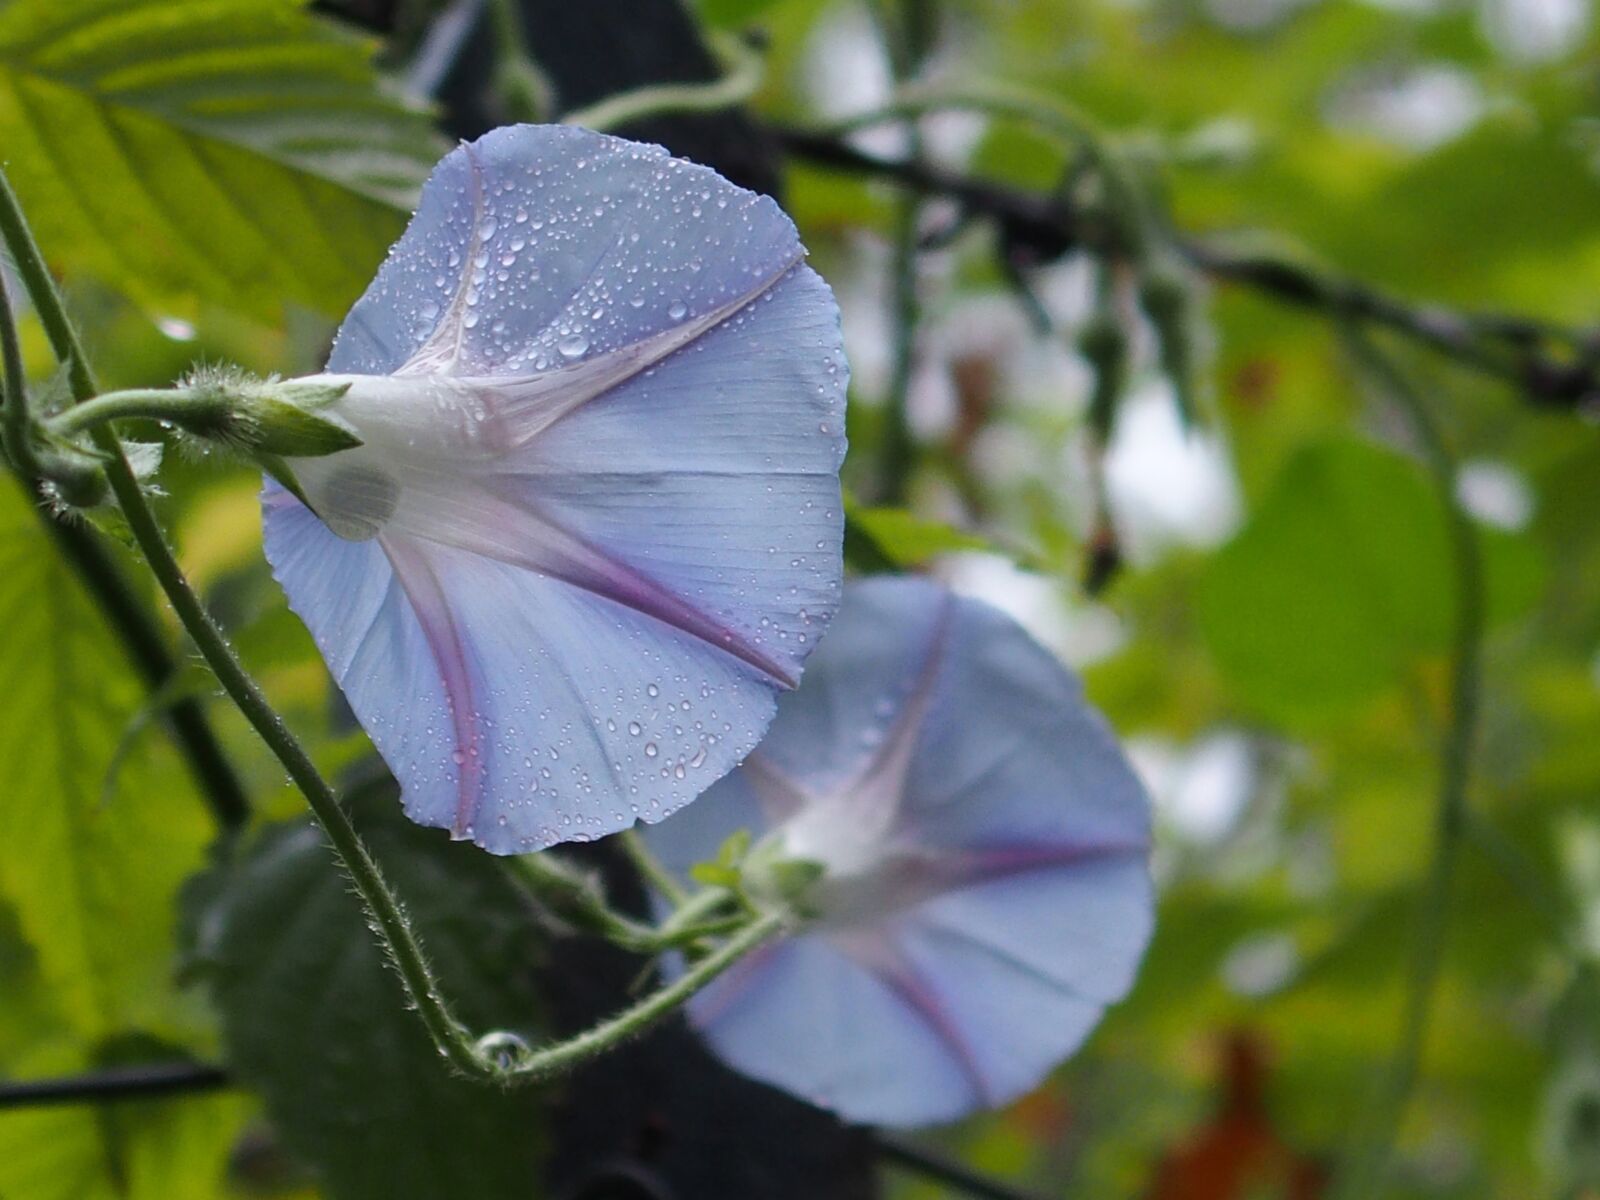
<point>283,427</point>
<point>727,869</point>
<point>279,470</point>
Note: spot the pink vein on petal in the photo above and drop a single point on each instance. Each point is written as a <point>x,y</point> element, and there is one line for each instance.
<point>428,601</point>
<point>518,533</point>
<point>439,353</point>
<point>780,797</point>
<point>530,404</point>
<point>877,954</point>
<point>983,863</point>
<point>880,786</point>
<point>605,576</point>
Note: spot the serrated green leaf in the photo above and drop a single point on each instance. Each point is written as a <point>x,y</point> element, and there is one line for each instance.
<point>315,1021</point>
<point>92,881</point>
<point>241,152</point>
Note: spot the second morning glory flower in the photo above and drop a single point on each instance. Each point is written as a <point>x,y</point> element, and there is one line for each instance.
<point>594,524</point>
<point>982,840</point>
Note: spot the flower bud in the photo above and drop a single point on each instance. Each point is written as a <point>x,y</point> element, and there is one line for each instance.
<point>1168,300</point>
<point>1105,344</point>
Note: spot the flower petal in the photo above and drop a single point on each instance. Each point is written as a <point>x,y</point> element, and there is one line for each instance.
<point>515,709</point>
<point>807,1017</point>
<point>538,245</point>
<point>1032,765</point>
<point>1003,906</point>
<point>652,513</point>
<point>872,666</point>
<point>364,624</point>
<point>716,474</point>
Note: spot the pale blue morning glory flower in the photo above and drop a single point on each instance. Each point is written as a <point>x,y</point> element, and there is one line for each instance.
<point>985,844</point>
<point>595,524</point>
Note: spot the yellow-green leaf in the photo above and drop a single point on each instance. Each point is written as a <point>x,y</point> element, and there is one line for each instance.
<point>241,152</point>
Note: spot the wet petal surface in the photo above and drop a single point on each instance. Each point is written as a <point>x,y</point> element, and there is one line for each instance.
<point>601,400</point>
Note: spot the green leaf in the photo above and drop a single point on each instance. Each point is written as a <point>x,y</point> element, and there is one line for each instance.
<point>315,1020</point>
<point>92,879</point>
<point>732,14</point>
<point>241,152</point>
<point>1341,579</point>
<point>906,539</point>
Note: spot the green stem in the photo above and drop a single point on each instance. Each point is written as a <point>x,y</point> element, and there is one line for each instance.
<point>1362,1174</point>
<point>906,31</point>
<point>576,894</point>
<point>688,920</point>
<point>17,436</point>
<point>518,82</point>
<point>541,1064</point>
<point>742,70</point>
<point>149,404</point>
<point>650,867</point>
<point>141,638</point>
<point>184,1077</point>
<point>897,452</point>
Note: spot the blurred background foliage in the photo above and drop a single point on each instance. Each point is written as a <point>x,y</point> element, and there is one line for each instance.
<point>1271,634</point>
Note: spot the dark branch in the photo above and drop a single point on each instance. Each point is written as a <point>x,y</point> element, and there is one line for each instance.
<point>115,1083</point>
<point>1550,366</point>
<point>913,1157</point>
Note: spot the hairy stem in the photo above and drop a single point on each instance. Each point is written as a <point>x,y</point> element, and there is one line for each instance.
<point>577,895</point>
<point>552,1060</point>
<point>382,905</point>
<point>17,437</point>
<point>126,613</point>
<point>150,404</point>
<point>168,1078</point>
<point>1361,1176</point>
